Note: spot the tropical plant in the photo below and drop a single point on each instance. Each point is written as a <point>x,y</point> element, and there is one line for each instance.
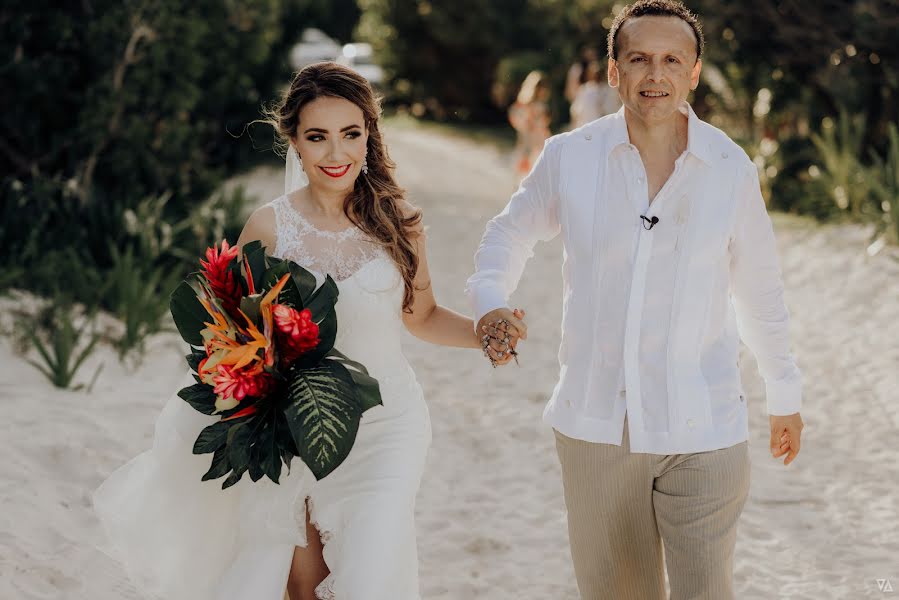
<point>62,346</point>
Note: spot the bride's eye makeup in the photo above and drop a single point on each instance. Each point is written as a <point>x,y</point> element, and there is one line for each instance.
<point>352,132</point>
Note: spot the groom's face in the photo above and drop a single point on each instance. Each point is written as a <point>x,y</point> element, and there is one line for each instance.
<point>331,141</point>
<point>656,68</point>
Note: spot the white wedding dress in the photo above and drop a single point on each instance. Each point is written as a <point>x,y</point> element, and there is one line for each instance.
<point>184,539</point>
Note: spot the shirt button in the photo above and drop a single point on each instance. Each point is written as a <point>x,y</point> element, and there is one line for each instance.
<point>622,393</point>
<point>724,155</point>
<point>691,423</point>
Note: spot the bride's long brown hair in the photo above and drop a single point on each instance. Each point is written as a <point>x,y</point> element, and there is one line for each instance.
<point>375,204</point>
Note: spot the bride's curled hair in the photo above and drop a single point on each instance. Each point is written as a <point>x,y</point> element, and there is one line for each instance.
<point>376,203</point>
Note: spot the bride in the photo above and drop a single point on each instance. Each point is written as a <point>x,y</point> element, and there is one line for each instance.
<point>351,535</point>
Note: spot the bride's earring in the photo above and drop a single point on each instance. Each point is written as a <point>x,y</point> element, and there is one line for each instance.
<point>365,164</point>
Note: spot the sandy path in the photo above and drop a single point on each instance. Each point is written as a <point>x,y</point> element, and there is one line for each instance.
<point>490,512</point>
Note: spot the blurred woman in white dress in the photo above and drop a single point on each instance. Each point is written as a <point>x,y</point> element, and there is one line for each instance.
<point>595,98</point>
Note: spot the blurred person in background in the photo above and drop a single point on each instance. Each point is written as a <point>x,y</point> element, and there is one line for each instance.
<point>529,116</point>
<point>577,72</point>
<point>595,98</point>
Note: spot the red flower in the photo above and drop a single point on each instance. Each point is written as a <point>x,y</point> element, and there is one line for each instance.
<point>295,331</point>
<point>240,383</point>
<point>220,278</point>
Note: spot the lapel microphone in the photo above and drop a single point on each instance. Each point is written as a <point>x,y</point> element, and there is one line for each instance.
<point>652,222</point>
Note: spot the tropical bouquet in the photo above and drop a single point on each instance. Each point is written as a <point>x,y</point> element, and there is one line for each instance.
<point>262,353</point>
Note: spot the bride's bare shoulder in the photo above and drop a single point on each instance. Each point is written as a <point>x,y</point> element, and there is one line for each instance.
<point>260,226</point>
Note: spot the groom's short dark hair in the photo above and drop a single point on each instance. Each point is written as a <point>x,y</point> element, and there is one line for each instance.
<point>655,8</point>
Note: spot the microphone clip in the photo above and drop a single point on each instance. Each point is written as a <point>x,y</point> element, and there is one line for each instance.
<point>652,222</point>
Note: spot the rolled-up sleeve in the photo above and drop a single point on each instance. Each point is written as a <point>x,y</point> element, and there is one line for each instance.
<point>530,216</point>
<point>758,296</point>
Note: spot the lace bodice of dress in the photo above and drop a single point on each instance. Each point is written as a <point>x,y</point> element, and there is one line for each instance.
<point>369,306</point>
<point>336,253</point>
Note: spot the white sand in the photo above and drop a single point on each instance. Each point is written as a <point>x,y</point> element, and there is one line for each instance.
<point>490,512</point>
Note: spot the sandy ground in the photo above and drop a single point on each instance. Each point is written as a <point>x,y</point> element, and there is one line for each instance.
<point>491,518</point>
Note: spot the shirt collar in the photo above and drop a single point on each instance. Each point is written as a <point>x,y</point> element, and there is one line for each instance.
<point>698,143</point>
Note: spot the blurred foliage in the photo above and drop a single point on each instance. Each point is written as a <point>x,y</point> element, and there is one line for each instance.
<point>337,18</point>
<point>842,172</point>
<point>119,122</point>
<point>885,183</point>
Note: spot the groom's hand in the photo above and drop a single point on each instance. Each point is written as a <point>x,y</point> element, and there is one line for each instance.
<point>785,433</point>
<point>502,338</point>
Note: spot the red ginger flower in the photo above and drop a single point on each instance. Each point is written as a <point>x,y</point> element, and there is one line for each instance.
<point>221,280</point>
<point>233,385</point>
<point>295,331</point>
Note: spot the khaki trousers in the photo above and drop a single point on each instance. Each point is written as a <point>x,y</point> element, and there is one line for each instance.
<point>623,507</point>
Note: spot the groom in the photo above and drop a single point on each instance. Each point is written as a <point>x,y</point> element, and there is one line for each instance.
<point>669,260</point>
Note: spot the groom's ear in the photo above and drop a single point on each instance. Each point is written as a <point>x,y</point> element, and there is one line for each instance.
<point>612,73</point>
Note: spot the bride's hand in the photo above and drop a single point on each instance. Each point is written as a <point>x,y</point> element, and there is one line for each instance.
<point>500,330</point>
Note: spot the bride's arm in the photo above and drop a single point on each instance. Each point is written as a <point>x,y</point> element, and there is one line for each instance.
<point>428,320</point>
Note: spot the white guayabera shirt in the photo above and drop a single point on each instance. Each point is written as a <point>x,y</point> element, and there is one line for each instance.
<point>651,318</point>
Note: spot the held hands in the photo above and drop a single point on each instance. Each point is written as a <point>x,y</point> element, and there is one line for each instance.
<point>499,332</point>
<point>785,433</point>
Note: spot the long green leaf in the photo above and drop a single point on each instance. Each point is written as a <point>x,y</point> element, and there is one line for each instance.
<point>304,280</point>
<point>200,396</point>
<point>322,301</point>
<point>239,445</point>
<point>368,391</point>
<point>212,437</point>
<point>254,254</point>
<point>233,478</point>
<point>189,315</point>
<point>323,415</point>
<point>220,465</point>
<point>269,453</point>
<point>195,357</point>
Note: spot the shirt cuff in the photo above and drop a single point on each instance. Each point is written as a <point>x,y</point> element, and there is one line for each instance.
<point>486,299</point>
<point>784,397</point>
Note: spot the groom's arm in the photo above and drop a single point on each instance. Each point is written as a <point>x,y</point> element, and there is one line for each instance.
<point>531,215</point>
<point>758,296</point>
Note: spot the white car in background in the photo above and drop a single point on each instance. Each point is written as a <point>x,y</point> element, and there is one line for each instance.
<point>360,58</point>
